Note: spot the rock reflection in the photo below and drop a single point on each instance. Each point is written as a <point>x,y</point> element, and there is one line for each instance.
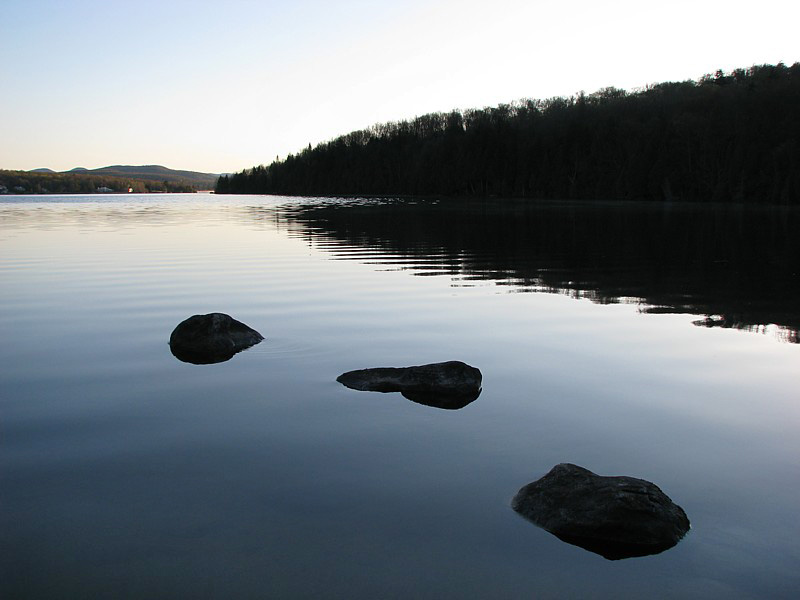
<point>441,400</point>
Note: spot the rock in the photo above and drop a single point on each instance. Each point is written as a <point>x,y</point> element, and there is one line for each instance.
<point>616,517</point>
<point>211,338</point>
<point>449,385</point>
<point>450,377</point>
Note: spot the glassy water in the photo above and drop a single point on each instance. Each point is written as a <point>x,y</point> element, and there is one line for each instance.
<point>651,341</point>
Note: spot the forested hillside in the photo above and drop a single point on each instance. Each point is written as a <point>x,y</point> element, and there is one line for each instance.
<point>201,181</point>
<point>728,137</point>
<point>118,178</point>
<point>39,182</point>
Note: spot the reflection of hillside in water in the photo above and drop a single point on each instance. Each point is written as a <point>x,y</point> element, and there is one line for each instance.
<point>735,266</point>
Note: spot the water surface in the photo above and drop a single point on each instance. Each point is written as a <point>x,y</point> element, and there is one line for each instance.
<point>649,341</point>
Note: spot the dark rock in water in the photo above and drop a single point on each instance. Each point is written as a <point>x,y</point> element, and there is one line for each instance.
<point>616,517</point>
<point>449,385</point>
<point>211,338</point>
<point>450,377</point>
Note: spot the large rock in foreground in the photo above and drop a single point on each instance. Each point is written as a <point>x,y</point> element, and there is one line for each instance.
<point>449,385</point>
<point>616,517</point>
<point>211,338</point>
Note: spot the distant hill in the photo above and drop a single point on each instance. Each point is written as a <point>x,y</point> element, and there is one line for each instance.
<point>200,181</point>
<point>117,178</point>
<point>204,181</point>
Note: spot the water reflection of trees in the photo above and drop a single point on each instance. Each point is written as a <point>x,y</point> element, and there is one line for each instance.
<point>736,267</point>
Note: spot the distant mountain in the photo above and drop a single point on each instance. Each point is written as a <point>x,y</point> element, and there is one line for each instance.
<point>118,179</point>
<point>194,179</point>
<point>159,173</point>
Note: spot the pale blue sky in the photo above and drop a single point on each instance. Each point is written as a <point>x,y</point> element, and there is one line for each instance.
<point>220,86</point>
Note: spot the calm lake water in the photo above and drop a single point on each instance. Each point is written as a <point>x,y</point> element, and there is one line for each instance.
<point>652,341</point>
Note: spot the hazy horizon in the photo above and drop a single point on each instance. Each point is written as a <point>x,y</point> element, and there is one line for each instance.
<point>111,166</point>
<point>216,88</point>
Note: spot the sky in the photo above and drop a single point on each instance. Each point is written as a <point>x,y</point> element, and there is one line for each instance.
<point>221,86</point>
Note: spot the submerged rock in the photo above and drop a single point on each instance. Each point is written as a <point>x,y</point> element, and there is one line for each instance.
<point>449,385</point>
<point>616,517</point>
<point>211,338</point>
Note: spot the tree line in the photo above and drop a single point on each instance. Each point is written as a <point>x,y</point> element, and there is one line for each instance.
<point>28,182</point>
<point>727,137</point>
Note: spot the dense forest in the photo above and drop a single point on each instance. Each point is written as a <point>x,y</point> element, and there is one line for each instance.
<point>39,182</point>
<point>727,137</point>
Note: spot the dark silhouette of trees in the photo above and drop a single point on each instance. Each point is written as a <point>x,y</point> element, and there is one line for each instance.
<point>729,137</point>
